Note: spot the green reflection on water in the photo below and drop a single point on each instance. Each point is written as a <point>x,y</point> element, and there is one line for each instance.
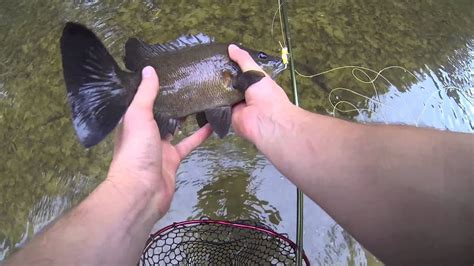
<point>229,196</point>
<point>41,157</point>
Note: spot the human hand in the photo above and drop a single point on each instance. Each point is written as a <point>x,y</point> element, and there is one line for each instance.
<point>265,102</point>
<point>140,156</point>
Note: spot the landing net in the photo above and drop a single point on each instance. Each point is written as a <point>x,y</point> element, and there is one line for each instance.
<point>211,242</point>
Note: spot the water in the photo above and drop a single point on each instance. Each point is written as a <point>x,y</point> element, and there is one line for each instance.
<point>44,171</point>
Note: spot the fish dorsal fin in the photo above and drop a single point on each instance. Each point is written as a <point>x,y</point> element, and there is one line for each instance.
<point>185,41</point>
<point>137,52</point>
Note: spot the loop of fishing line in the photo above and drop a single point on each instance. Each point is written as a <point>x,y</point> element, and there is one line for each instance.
<point>376,100</point>
<point>361,74</point>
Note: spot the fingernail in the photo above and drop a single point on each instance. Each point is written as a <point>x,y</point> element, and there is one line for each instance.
<point>233,46</point>
<point>147,72</point>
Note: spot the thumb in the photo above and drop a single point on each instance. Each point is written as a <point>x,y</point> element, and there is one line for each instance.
<point>243,59</point>
<point>140,111</point>
<point>147,91</point>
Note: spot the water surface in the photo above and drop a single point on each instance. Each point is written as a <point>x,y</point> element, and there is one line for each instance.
<point>427,45</point>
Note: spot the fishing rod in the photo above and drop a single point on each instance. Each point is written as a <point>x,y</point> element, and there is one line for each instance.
<point>287,53</point>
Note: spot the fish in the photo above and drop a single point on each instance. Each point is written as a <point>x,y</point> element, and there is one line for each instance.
<point>197,77</point>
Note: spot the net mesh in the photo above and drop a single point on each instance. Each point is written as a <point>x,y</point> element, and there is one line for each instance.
<point>207,242</point>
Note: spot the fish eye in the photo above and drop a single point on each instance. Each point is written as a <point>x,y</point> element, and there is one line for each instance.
<point>262,55</point>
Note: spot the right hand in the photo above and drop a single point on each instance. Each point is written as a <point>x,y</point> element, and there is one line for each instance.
<point>265,102</point>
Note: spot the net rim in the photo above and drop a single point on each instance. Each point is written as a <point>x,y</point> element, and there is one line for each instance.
<point>156,236</point>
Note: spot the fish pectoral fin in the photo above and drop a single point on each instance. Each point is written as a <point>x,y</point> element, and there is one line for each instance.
<point>247,79</point>
<point>166,125</point>
<point>220,119</point>
<point>201,119</point>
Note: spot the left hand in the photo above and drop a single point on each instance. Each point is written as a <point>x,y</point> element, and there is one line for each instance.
<point>140,155</point>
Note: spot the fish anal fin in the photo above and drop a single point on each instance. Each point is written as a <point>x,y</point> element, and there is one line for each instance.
<point>201,119</point>
<point>247,79</point>
<point>167,125</point>
<point>220,119</point>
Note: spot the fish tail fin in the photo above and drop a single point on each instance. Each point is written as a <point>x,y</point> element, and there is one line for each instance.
<point>98,91</point>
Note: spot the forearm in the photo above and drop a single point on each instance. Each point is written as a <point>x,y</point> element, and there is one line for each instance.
<point>109,228</point>
<point>310,149</point>
<point>421,187</point>
<point>396,189</point>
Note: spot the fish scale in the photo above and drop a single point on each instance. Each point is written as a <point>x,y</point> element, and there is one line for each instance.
<point>206,90</point>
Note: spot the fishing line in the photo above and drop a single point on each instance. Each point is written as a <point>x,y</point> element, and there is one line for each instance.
<point>339,102</point>
<point>357,72</point>
<point>366,80</point>
<point>278,12</point>
<point>361,74</point>
<point>416,118</point>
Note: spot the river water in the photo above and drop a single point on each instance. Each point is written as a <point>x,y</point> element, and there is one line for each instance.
<point>392,62</point>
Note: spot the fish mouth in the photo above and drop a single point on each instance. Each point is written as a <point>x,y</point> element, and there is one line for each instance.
<point>279,67</point>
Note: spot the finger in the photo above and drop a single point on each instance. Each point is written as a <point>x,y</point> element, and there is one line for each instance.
<point>237,112</point>
<point>243,59</point>
<point>192,142</point>
<point>118,139</point>
<point>147,91</point>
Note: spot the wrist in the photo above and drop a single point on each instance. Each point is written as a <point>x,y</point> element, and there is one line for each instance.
<point>123,176</point>
<point>274,127</point>
<point>138,192</point>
